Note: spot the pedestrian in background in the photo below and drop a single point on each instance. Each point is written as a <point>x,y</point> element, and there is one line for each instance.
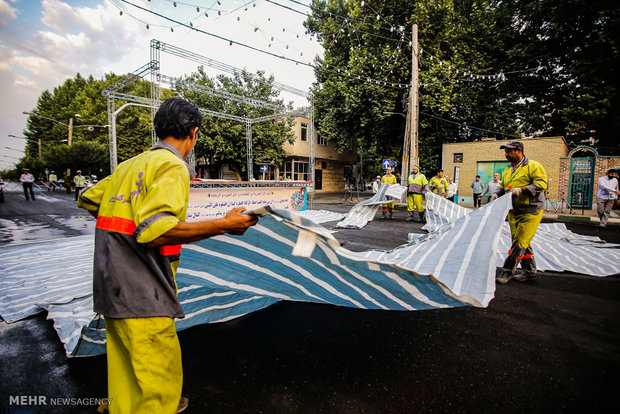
<point>53,180</point>
<point>527,181</point>
<point>80,183</point>
<point>141,210</point>
<point>388,178</point>
<point>27,179</point>
<point>438,184</point>
<point>477,187</point>
<point>375,184</point>
<point>452,189</point>
<point>606,196</point>
<point>491,188</point>
<point>418,184</point>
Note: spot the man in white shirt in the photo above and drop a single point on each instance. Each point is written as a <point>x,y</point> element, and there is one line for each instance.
<point>606,195</point>
<point>27,179</point>
<point>491,188</point>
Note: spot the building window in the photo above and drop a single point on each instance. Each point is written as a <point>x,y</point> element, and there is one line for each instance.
<point>304,132</point>
<point>323,165</point>
<point>458,157</point>
<point>320,140</point>
<point>301,171</point>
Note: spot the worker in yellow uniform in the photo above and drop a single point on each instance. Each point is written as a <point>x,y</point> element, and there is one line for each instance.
<point>527,181</point>
<point>80,182</point>
<point>388,178</point>
<point>418,184</point>
<point>438,184</point>
<point>141,210</point>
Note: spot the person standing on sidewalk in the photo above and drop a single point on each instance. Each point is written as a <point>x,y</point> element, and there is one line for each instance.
<point>477,187</point>
<point>141,210</point>
<point>80,183</point>
<point>27,180</point>
<point>418,184</point>
<point>388,178</point>
<point>527,181</point>
<point>606,196</point>
<point>491,188</point>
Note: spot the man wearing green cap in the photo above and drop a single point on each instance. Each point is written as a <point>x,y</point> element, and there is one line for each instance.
<point>418,184</point>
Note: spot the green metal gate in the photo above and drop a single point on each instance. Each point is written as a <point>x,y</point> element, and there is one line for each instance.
<point>581,182</point>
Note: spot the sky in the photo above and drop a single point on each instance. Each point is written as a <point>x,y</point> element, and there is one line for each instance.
<point>42,43</point>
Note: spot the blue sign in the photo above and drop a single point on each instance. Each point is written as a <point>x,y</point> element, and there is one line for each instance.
<point>387,163</point>
<point>393,164</point>
<point>263,168</point>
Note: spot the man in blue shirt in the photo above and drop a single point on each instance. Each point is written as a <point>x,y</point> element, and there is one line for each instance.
<point>477,186</point>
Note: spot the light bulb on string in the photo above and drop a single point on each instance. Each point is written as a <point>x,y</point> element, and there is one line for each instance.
<point>219,13</point>
<point>174,3</point>
<point>238,18</point>
<point>121,13</point>
<point>172,29</point>
<point>147,26</point>
<point>206,14</point>
<point>197,9</point>
<point>191,24</point>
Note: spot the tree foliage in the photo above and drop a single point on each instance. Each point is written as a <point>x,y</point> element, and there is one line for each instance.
<point>558,59</point>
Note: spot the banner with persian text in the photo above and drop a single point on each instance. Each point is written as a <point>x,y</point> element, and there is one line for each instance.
<point>216,202</point>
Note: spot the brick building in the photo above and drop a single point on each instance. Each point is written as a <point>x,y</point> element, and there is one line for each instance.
<point>579,174</point>
<point>465,160</point>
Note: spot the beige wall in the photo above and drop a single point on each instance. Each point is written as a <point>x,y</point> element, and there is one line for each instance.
<point>546,150</point>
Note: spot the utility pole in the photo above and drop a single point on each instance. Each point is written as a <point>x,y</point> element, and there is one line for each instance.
<point>39,147</point>
<point>413,99</point>
<point>410,142</point>
<point>70,131</point>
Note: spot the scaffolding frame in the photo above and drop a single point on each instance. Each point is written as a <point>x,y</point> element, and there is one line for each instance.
<point>152,68</point>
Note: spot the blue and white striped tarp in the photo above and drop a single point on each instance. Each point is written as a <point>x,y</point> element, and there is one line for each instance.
<point>365,211</point>
<point>285,257</point>
<point>555,247</point>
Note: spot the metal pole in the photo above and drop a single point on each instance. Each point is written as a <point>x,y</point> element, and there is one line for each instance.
<point>414,109</point>
<point>248,136</point>
<point>70,133</point>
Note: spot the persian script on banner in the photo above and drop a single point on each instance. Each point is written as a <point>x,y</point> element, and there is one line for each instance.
<point>216,202</point>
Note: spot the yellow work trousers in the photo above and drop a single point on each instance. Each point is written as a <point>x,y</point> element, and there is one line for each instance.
<point>522,230</point>
<point>523,227</point>
<point>414,202</point>
<point>145,373</point>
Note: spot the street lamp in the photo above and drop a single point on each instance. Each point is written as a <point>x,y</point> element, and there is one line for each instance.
<point>26,138</point>
<point>69,125</point>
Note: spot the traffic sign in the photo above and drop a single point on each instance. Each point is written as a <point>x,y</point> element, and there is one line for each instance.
<point>263,168</point>
<point>387,163</point>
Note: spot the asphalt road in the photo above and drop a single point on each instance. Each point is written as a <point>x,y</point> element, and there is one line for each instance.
<point>552,345</point>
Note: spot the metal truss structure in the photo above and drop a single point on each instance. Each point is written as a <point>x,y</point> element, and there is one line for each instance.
<point>113,94</point>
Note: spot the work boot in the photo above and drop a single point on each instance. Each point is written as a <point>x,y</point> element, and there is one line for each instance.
<point>504,278</point>
<point>525,277</point>
<point>410,216</point>
<point>422,219</point>
<point>383,215</point>
<point>392,214</point>
<point>183,403</point>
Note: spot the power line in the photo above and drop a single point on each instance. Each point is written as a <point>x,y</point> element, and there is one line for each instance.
<point>468,126</point>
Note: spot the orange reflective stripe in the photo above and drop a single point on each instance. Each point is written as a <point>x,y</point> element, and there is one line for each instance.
<point>116,224</point>
<point>525,256</point>
<point>170,250</point>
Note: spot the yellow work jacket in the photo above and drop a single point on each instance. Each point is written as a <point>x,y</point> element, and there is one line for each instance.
<point>79,180</point>
<point>531,175</point>
<point>145,197</point>
<point>439,186</point>
<point>390,179</point>
<point>417,183</point>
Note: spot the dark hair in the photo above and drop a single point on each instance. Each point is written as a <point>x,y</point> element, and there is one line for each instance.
<point>477,176</point>
<point>176,117</point>
<point>611,170</point>
<point>438,171</point>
